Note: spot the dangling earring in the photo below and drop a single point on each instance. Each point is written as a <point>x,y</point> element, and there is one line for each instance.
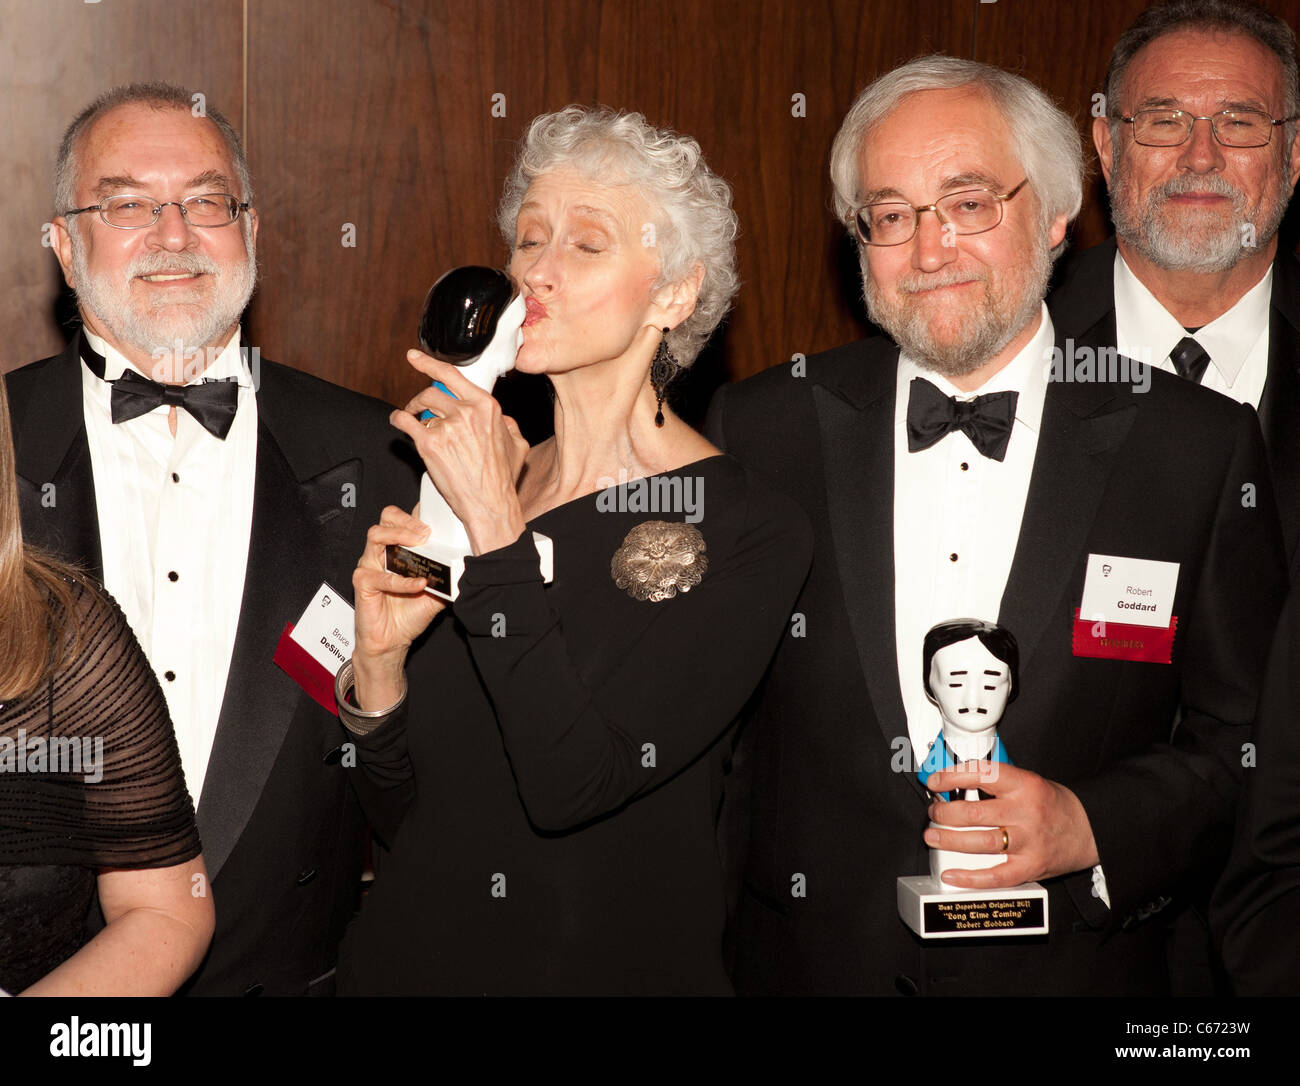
<point>662,371</point>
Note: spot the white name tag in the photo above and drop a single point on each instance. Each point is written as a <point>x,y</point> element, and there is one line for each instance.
<point>1133,591</point>
<point>326,631</point>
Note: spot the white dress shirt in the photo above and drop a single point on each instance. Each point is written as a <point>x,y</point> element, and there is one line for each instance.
<point>175,515</point>
<point>1236,341</point>
<point>957,517</point>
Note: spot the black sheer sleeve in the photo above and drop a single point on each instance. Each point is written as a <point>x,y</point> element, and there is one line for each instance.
<point>90,773</point>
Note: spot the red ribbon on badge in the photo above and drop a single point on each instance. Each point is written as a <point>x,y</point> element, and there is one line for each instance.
<point>305,671</point>
<point>1121,641</point>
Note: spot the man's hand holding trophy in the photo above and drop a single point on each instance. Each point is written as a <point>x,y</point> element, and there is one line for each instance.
<point>971,671</point>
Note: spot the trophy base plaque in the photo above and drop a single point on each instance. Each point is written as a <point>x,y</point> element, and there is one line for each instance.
<point>443,564</point>
<point>935,913</point>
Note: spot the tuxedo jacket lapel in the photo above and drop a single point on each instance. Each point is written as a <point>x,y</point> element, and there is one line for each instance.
<point>1279,408</point>
<point>856,422</point>
<point>1082,429</point>
<point>53,450</point>
<point>300,517</point>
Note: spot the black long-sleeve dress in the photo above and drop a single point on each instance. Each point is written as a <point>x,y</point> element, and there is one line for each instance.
<point>551,787</point>
<point>90,777</point>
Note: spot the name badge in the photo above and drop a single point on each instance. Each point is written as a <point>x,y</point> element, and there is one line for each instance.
<point>1126,612</point>
<point>312,650</point>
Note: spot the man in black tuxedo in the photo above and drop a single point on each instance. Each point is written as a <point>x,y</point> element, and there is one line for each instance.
<point>213,492</point>
<point>1200,173</point>
<point>1014,505</point>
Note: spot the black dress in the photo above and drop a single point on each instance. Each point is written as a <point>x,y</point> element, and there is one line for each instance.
<point>90,777</point>
<point>551,788</point>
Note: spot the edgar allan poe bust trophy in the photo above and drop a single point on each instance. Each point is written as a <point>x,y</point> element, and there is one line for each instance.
<point>472,318</point>
<point>971,673</point>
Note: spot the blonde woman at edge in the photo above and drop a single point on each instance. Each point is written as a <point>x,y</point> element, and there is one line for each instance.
<point>91,790</point>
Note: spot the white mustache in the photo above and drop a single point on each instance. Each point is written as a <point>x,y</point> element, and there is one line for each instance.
<point>915,284</point>
<point>154,262</point>
<point>1210,182</point>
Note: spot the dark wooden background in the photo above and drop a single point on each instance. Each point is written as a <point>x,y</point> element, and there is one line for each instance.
<point>378,113</point>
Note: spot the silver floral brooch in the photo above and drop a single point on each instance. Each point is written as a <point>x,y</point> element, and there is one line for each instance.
<point>658,559</point>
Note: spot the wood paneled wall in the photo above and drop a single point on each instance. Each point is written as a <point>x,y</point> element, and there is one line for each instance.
<point>373,121</point>
<point>56,56</point>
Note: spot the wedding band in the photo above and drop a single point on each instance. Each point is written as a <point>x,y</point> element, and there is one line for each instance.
<point>429,422</point>
<point>1006,841</point>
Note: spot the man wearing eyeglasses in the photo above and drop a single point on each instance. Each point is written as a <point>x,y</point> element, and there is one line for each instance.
<point>213,492</point>
<point>976,466</point>
<point>1199,153</point>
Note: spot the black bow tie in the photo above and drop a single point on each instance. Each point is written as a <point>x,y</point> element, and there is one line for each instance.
<point>986,420</point>
<point>212,403</point>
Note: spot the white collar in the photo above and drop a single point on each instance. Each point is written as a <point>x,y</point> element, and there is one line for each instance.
<point>229,363</point>
<point>1228,339</point>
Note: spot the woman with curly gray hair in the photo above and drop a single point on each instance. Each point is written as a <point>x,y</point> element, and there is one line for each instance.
<point>548,783</point>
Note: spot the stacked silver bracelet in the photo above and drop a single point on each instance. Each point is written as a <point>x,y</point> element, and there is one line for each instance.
<point>359,721</point>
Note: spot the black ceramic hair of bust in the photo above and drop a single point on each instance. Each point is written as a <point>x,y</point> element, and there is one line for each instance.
<point>461,312</point>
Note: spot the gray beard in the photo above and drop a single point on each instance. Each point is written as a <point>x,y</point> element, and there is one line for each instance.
<point>1170,245</point>
<point>995,324</point>
<point>157,332</point>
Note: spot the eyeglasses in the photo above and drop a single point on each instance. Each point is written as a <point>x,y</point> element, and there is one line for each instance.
<point>970,211</point>
<point>1231,127</point>
<point>136,212</point>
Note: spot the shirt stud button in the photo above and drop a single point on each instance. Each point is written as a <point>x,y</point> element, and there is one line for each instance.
<point>170,676</point>
<point>173,576</point>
